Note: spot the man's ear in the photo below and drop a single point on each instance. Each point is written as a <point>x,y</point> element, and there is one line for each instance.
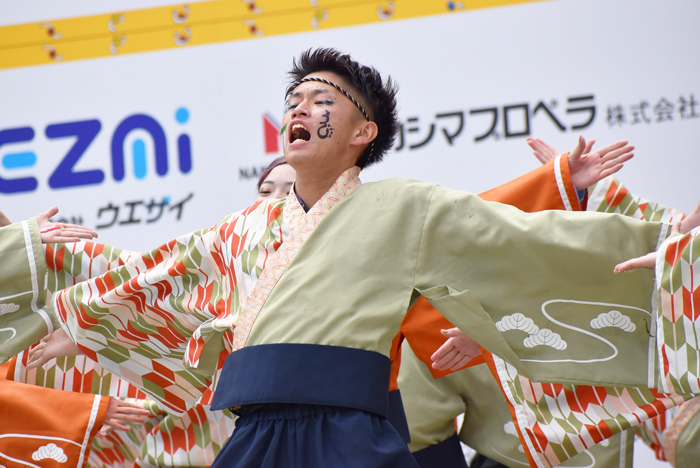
<point>365,134</point>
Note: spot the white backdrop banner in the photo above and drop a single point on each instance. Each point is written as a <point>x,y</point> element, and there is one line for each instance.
<point>144,146</point>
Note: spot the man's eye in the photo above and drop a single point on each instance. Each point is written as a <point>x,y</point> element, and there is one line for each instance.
<point>325,102</point>
<point>291,106</point>
<point>264,193</point>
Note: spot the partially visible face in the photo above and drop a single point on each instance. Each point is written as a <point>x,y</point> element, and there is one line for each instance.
<point>321,123</point>
<point>277,183</point>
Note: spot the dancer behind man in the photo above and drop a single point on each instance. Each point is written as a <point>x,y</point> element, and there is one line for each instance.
<point>327,318</point>
<point>46,425</point>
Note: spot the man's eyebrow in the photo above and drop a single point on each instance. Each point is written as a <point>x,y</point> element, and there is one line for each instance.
<point>314,91</point>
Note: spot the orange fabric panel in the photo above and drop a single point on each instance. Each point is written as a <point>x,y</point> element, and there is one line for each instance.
<point>422,326</point>
<point>46,427</point>
<point>395,356</point>
<point>537,190</point>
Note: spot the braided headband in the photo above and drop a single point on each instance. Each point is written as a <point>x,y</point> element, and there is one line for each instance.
<point>346,94</point>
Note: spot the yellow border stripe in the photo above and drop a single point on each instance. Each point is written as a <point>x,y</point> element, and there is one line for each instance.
<point>201,23</point>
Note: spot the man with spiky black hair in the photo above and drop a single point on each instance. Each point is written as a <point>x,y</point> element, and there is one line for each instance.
<point>377,99</point>
<point>286,312</point>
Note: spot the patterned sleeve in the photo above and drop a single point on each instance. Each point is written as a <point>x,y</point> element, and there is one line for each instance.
<point>164,320</point>
<point>67,265</point>
<point>73,263</point>
<point>678,317</point>
<point>678,337</point>
<point>611,196</point>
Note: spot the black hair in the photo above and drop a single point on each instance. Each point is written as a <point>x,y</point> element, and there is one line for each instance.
<point>379,95</point>
<point>277,162</point>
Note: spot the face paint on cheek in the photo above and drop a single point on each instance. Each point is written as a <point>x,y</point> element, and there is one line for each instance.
<point>325,130</point>
<point>284,127</point>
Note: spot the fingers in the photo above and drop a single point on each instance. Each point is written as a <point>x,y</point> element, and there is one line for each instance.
<point>104,431</point>
<point>124,413</point>
<point>68,233</point>
<point>447,347</point>
<point>119,413</point>
<point>453,334</point>
<point>647,261</point>
<point>579,150</point>
<point>447,360</point>
<point>70,230</point>
<point>612,147</point>
<point>127,405</point>
<point>36,359</point>
<point>455,360</point>
<point>611,155</point>
<point>464,361</point>
<point>48,213</point>
<point>608,172</point>
<point>542,151</point>
<point>458,350</point>
<point>129,418</point>
<point>114,424</point>
<point>540,157</point>
<point>36,351</point>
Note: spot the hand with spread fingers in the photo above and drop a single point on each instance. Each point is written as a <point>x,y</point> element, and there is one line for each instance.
<point>456,352</point>
<point>586,168</point>
<point>544,152</point>
<point>589,168</point>
<point>61,232</point>
<point>54,345</point>
<point>121,412</point>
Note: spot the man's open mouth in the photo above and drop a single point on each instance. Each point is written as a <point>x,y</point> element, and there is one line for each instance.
<point>299,133</point>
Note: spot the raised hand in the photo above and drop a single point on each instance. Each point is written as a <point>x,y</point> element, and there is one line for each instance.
<point>588,168</point>
<point>61,232</point>
<point>456,352</point>
<point>54,345</point>
<point>542,151</point>
<point>545,153</point>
